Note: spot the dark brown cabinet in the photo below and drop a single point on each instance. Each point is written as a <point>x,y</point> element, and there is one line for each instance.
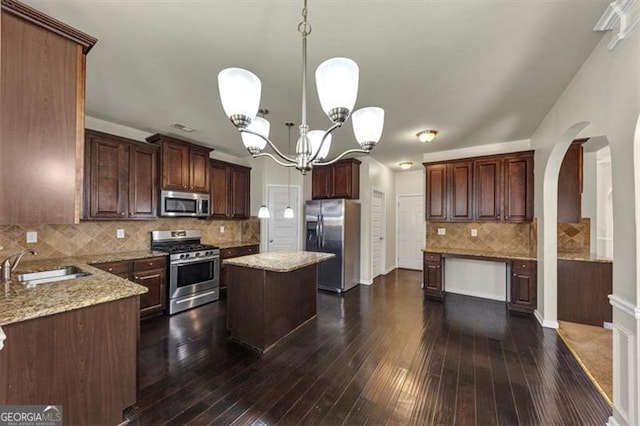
<point>231,252</point>
<point>150,273</point>
<point>432,275</point>
<point>230,190</point>
<point>523,283</point>
<point>339,180</point>
<point>570,184</point>
<point>42,81</point>
<point>184,166</point>
<point>492,188</point>
<point>120,178</point>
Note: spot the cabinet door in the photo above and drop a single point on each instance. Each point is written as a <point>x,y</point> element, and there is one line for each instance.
<point>523,286</point>
<point>487,191</point>
<point>570,185</point>
<point>436,187</point>
<point>175,166</point>
<point>154,300</point>
<point>460,191</point>
<point>433,279</point>
<point>321,182</point>
<point>143,182</point>
<point>240,187</point>
<point>108,179</point>
<point>518,189</point>
<point>219,184</point>
<point>199,171</point>
<point>346,180</point>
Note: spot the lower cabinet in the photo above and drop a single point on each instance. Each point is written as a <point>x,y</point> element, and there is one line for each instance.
<point>229,253</point>
<point>150,273</point>
<point>523,285</point>
<point>433,275</point>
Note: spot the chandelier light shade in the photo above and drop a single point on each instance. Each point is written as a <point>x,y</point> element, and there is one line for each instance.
<point>288,213</point>
<point>253,143</point>
<point>315,137</point>
<point>337,82</point>
<point>263,213</point>
<point>367,126</point>
<point>240,95</point>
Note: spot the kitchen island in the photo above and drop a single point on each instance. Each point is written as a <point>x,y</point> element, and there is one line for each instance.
<point>269,295</point>
<point>72,343</point>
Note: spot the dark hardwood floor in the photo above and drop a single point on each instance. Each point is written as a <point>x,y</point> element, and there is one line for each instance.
<point>378,354</point>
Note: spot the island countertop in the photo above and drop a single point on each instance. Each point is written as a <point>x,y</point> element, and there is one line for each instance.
<point>19,303</point>
<point>280,261</point>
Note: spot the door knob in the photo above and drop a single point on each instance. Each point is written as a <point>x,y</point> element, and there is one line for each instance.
<point>270,241</point>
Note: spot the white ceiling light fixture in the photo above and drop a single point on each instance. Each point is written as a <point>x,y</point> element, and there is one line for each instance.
<point>426,136</point>
<point>337,83</point>
<point>405,165</point>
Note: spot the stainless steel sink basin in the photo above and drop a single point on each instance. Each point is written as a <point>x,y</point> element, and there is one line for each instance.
<point>36,278</point>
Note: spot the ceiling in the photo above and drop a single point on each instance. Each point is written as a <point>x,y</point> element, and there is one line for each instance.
<point>479,72</point>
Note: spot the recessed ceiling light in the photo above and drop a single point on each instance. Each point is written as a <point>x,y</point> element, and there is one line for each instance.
<point>426,135</point>
<point>182,127</point>
<point>405,165</point>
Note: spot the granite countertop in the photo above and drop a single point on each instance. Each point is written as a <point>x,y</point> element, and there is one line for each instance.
<point>584,257</point>
<point>280,261</point>
<point>19,303</point>
<point>479,253</point>
<point>233,244</point>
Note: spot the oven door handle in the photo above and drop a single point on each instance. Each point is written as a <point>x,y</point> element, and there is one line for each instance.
<point>196,260</point>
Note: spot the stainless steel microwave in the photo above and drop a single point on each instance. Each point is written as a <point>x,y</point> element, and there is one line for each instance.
<point>189,204</point>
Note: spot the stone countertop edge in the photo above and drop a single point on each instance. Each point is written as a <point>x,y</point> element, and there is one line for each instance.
<point>234,244</point>
<point>580,257</point>
<point>280,261</point>
<point>19,303</point>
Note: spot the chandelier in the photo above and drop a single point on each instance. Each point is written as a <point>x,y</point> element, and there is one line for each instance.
<point>337,84</point>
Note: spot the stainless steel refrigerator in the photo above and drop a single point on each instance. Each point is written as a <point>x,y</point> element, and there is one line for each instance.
<point>333,226</point>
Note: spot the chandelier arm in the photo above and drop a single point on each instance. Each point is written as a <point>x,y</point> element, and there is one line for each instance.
<point>339,157</point>
<point>324,137</point>
<point>271,144</point>
<point>266,154</point>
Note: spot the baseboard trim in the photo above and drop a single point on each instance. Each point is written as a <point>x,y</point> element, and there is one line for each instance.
<point>366,282</point>
<point>472,293</point>
<point>612,422</point>
<point>625,306</point>
<point>389,269</point>
<point>545,323</point>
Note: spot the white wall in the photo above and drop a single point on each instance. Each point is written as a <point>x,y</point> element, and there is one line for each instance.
<point>410,182</point>
<point>603,99</point>
<point>478,278</point>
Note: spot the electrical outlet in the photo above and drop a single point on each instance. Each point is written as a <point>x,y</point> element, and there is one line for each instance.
<point>119,233</point>
<point>32,237</point>
<point>442,231</point>
<point>222,229</point>
<point>474,232</point>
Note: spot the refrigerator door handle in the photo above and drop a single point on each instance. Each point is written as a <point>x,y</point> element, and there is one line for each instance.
<point>318,231</point>
<point>322,228</point>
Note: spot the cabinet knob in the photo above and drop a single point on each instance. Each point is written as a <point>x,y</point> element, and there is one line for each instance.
<point>121,213</point>
<point>514,274</point>
<point>110,269</point>
<point>137,278</point>
<point>523,266</point>
<point>150,263</point>
<point>498,216</point>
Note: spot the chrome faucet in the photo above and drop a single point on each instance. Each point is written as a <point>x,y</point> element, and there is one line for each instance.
<point>8,267</point>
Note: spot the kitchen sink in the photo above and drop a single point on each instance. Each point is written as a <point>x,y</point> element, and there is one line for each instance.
<point>67,273</point>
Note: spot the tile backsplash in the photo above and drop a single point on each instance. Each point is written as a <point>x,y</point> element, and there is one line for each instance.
<point>575,237</point>
<point>93,237</point>
<point>515,238</point>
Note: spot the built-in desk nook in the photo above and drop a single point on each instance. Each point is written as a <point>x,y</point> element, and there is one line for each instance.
<point>520,286</point>
<point>271,294</point>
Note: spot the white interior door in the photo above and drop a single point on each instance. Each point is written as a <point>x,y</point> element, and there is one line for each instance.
<point>377,233</point>
<point>410,241</point>
<point>282,234</point>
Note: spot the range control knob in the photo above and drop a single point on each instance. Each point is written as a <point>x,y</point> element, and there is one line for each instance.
<point>187,255</point>
<point>197,254</point>
<point>182,256</point>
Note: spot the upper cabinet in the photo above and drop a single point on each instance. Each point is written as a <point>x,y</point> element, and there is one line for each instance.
<point>339,180</point>
<point>491,188</point>
<point>121,178</point>
<point>184,166</point>
<point>570,184</point>
<point>42,83</point>
<point>230,190</point>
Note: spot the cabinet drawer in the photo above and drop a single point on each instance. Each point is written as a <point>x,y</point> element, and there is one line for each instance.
<point>523,265</point>
<point>147,264</point>
<point>117,268</point>
<point>432,257</point>
<point>247,250</point>
<point>229,253</point>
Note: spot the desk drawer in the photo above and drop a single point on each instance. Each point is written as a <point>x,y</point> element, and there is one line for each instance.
<point>432,257</point>
<point>523,265</point>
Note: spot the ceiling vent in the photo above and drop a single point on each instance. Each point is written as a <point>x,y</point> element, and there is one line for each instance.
<point>182,127</point>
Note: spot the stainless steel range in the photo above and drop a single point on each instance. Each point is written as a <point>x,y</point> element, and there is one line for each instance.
<point>194,268</point>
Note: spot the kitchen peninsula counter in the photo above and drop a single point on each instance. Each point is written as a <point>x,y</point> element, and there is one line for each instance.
<point>269,295</point>
<point>19,303</point>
